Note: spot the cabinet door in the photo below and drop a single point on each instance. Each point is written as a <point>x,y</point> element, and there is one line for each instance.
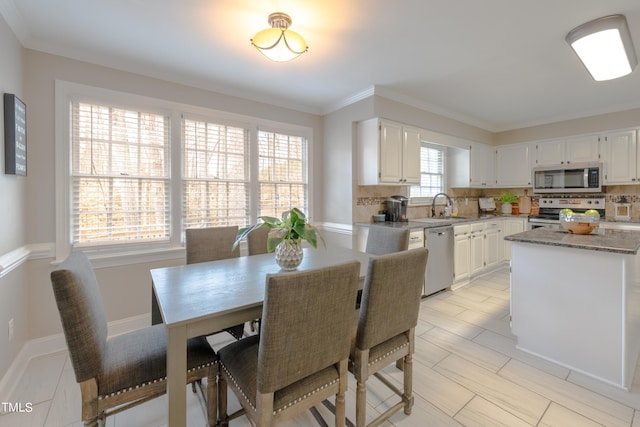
<point>511,226</point>
<point>461,252</point>
<point>550,152</point>
<point>620,157</point>
<point>461,257</point>
<point>581,149</point>
<point>411,156</point>
<point>491,252</point>
<point>477,253</point>
<point>481,165</point>
<point>513,166</point>
<point>390,153</point>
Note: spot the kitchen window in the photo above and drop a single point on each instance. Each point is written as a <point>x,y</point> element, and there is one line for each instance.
<point>133,172</point>
<point>432,170</point>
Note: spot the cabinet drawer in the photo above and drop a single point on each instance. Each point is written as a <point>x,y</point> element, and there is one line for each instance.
<point>461,229</point>
<point>477,227</point>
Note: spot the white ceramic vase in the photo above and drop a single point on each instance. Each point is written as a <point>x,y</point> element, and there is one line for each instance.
<point>506,208</point>
<point>289,254</point>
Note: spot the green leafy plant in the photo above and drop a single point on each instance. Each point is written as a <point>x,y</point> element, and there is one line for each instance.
<point>507,198</point>
<point>293,225</point>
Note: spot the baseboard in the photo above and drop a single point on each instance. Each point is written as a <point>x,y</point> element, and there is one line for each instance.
<point>54,344</point>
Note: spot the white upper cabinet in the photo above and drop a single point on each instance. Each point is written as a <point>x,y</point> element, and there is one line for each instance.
<point>550,152</point>
<point>581,149</point>
<point>481,165</point>
<point>576,149</point>
<point>388,153</point>
<point>620,157</point>
<point>411,155</point>
<point>513,165</point>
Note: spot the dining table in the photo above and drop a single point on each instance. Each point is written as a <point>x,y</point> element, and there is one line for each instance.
<point>204,298</point>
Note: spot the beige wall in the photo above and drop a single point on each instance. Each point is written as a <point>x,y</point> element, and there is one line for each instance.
<point>604,122</point>
<point>126,289</point>
<point>13,297</point>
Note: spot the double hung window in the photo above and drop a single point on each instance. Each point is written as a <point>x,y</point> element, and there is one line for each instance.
<point>130,179</point>
<point>432,171</point>
<point>119,175</point>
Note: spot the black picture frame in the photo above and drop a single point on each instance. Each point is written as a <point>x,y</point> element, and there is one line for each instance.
<point>15,135</point>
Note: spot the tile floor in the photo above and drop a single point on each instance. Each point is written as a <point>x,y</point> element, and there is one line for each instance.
<point>467,372</point>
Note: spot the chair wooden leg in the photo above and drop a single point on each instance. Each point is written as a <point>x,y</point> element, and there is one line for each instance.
<point>222,401</point>
<point>212,397</point>
<point>264,409</point>
<point>341,411</point>
<point>89,393</point>
<point>408,383</point>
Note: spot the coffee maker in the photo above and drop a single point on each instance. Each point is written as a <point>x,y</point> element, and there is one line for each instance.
<point>396,208</point>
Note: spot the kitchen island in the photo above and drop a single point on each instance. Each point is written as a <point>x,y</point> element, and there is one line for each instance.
<point>575,300</point>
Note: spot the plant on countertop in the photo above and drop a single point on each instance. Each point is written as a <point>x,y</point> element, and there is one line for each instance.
<point>293,225</point>
<point>507,198</point>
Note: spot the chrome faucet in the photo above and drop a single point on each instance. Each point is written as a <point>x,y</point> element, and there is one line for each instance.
<point>433,204</point>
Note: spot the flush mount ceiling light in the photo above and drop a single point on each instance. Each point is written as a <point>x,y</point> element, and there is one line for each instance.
<point>604,46</point>
<point>278,43</point>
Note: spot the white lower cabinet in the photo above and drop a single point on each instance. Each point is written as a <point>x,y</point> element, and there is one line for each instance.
<point>461,250</point>
<point>511,226</point>
<point>480,246</point>
<point>477,248</point>
<point>492,244</point>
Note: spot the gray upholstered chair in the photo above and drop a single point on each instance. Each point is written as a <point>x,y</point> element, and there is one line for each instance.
<point>257,241</point>
<point>385,240</point>
<point>385,333</point>
<point>300,357</point>
<point>123,371</point>
<point>213,244</point>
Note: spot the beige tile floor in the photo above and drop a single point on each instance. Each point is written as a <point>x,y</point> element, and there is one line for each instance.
<point>468,372</point>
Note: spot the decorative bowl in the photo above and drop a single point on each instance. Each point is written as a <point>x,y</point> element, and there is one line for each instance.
<point>578,223</point>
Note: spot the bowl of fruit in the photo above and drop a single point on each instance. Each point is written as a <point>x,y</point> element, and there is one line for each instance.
<point>579,223</point>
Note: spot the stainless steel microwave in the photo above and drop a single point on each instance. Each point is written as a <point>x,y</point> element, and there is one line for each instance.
<point>569,178</point>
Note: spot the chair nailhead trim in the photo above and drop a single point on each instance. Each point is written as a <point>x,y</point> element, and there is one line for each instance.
<point>371,362</point>
<point>387,354</point>
<point>116,393</point>
<point>288,405</point>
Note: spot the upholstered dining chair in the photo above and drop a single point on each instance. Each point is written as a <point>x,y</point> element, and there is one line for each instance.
<point>385,240</point>
<point>213,244</point>
<point>385,331</point>
<point>120,372</point>
<point>257,241</point>
<point>300,357</point>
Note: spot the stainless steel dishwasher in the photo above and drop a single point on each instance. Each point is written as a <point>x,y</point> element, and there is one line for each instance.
<point>439,274</point>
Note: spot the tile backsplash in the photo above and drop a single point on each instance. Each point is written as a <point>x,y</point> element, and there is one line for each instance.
<point>369,200</point>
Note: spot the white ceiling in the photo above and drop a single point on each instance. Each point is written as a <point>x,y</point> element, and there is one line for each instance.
<point>496,64</point>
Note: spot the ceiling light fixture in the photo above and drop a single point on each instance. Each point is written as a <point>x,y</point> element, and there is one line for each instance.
<point>278,43</point>
<point>604,46</point>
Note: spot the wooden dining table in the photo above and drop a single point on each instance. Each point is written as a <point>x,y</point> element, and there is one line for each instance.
<point>200,299</point>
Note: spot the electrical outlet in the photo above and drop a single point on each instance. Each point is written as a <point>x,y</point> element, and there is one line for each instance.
<point>11,329</point>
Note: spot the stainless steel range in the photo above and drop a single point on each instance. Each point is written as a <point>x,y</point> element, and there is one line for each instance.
<point>550,208</point>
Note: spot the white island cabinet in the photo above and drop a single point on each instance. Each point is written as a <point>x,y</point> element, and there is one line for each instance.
<point>575,300</point>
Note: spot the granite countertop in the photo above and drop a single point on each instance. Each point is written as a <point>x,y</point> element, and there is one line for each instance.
<point>618,241</point>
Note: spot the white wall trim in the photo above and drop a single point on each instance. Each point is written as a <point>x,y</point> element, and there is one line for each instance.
<point>54,344</point>
<point>15,258</point>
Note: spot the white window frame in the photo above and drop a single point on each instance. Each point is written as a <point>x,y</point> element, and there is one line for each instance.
<point>423,201</point>
<point>114,255</point>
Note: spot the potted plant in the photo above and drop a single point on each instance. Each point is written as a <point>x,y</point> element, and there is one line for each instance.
<point>507,199</point>
<point>285,237</point>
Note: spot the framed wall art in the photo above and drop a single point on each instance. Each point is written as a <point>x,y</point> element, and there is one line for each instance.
<point>15,135</point>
